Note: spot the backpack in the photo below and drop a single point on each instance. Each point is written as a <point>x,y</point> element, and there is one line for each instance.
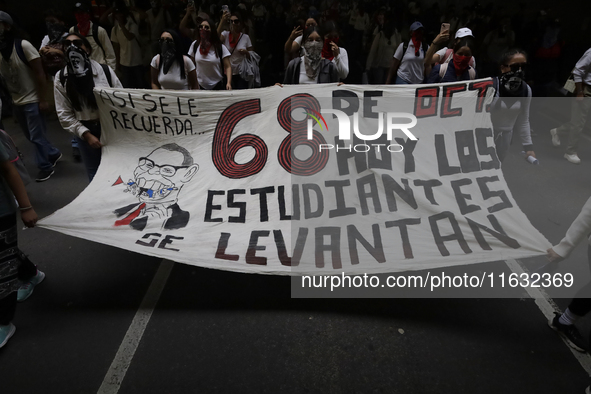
<point>443,70</point>
<point>52,62</point>
<point>106,69</point>
<point>18,46</point>
<point>405,48</point>
<point>14,156</point>
<point>449,56</point>
<point>95,37</point>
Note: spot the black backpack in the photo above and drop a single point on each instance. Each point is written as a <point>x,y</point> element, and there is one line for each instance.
<point>95,37</point>
<point>405,47</point>
<point>106,69</point>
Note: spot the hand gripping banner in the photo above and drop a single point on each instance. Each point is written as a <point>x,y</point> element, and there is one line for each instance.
<point>303,179</point>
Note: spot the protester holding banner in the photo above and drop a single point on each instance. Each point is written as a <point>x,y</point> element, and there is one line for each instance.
<point>510,108</point>
<point>75,102</point>
<point>457,70</point>
<point>212,59</point>
<point>580,306</point>
<point>315,68</point>
<point>408,65</point>
<point>237,43</point>
<point>15,267</point>
<point>170,69</point>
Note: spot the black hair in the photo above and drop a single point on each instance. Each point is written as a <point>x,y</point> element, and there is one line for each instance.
<point>465,42</point>
<point>329,27</point>
<point>178,54</point>
<point>76,97</point>
<point>54,13</point>
<point>510,53</point>
<point>187,158</point>
<point>309,31</point>
<point>214,38</point>
<point>84,40</point>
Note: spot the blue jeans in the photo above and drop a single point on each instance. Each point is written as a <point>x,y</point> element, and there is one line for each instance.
<point>400,81</point>
<point>33,125</point>
<point>91,157</point>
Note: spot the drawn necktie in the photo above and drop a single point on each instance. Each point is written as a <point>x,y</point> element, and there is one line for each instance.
<point>126,220</point>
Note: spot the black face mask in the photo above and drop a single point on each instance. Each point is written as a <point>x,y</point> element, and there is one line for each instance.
<point>78,62</point>
<point>511,83</point>
<point>54,31</point>
<point>167,55</point>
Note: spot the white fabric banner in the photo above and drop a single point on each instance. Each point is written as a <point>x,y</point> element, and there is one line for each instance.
<point>208,179</point>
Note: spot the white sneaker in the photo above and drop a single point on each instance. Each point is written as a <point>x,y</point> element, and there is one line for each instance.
<point>572,158</point>
<point>588,390</point>
<point>555,137</point>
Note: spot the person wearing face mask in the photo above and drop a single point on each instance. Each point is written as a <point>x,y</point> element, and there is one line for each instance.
<point>237,43</point>
<point>51,50</point>
<point>23,74</point>
<point>212,59</point>
<point>579,111</point>
<point>75,102</point>
<point>102,49</point>
<point>445,55</point>
<point>408,65</point>
<point>510,107</point>
<point>459,68</point>
<point>311,68</point>
<point>170,69</point>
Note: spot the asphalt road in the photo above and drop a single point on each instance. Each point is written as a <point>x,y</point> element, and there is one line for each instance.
<point>223,332</point>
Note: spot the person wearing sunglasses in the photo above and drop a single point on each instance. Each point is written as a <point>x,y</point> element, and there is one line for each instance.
<point>170,69</point>
<point>510,107</point>
<point>238,44</point>
<point>212,59</point>
<point>408,65</point>
<point>75,102</point>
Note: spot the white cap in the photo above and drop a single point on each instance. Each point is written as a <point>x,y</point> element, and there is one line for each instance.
<point>464,32</point>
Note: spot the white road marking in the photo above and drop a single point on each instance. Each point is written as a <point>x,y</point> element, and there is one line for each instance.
<point>118,369</point>
<point>548,307</point>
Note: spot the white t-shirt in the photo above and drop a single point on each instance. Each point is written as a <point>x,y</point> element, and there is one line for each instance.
<point>209,67</point>
<point>19,77</point>
<point>130,52</point>
<point>412,68</point>
<point>298,40</point>
<point>172,80</point>
<point>235,56</point>
<point>441,54</point>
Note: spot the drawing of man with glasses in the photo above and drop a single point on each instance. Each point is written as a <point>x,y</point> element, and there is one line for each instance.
<point>158,180</point>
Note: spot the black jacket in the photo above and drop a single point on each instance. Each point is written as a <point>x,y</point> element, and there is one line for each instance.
<point>327,74</point>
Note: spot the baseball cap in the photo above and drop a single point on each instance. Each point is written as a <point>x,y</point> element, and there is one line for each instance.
<point>4,17</point>
<point>464,32</point>
<point>82,7</point>
<point>416,25</point>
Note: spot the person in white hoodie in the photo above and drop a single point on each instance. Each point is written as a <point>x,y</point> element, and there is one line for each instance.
<point>564,323</point>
